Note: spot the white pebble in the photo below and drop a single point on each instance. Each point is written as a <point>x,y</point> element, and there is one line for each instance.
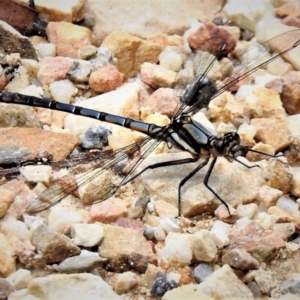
<point>63,90</point>
<point>287,204</point>
<point>247,210</point>
<point>170,60</point>
<point>265,220</point>
<point>159,234</point>
<point>169,225</point>
<point>221,231</point>
<point>87,235</point>
<point>247,129</point>
<point>46,49</point>
<point>174,276</point>
<point>151,206</point>
<point>19,279</point>
<point>38,173</point>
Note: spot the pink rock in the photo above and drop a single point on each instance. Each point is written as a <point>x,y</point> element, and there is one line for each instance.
<point>287,9</point>
<point>162,101</point>
<point>53,69</point>
<point>291,21</point>
<point>68,38</point>
<point>166,40</point>
<point>106,79</point>
<point>208,31</point>
<point>108,211</point>
<point>157,76</point>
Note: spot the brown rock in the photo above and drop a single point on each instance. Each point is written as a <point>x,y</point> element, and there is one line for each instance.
<point>278,175</point>
<point>166,40</point>
<point>124,245</point>
<point>291,92</point>
<point>287,9</point>
<point>162,101</point>
<point>52,247</point>
<point>222,214</point>
<point>262,244</point>
<point>6,199</point>
<point>291,21</point>
<point>157,76</point>
<point>31,142</point>
<point>274,132</point>
<point>208,31</point>
<point>186,276</point>
<point>108,211</point>
<point>68,38</point>
<point>7,264</point>
<point>106,79</point>
<point>282,215</point>
<point>53,69</point>
<point>240,259</point>
<point>131,52</point>
<point>5,288</point>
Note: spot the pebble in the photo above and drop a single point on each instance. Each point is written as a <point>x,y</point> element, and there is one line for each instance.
<point>169,225</point>
<point>159,234</point>
<point>84,262</point>
<point>7,198</point>
<point>63,90</point>
<point>64,34</point>
<point>291,21</point>
<point>54,69</point>
<point>177,248</point>
<point>162,101</point>
<point>264,280</point>
<point>105,79</point>
<point>188,292</point>
<point>124,45</point>
<point>221,230</point>
<point>203,245</point>
<point>291,286</point>
<point>95,137</point>
<point>80,71</point>
<point>46,50</point>
<point>216,285</point>
<point>170,60</point>
<point>268,196</point>
<point>222,214</point>
<point>87,235</point>
<point>19,279</point>
<point>247,210</point>
<point>117,249</point>
<point>108,211</point>
<point>165,210</point>
<point>52,247</point>
<point>284,230</point>
<point>61,286</point>
<point>102,58</point>
<point>240,259</point>
<point>125,282</point>
<point>281,136</point>
<point>7,264</point>
<point>202,271</point>
<point>5,289</point>
<point>161,285</point>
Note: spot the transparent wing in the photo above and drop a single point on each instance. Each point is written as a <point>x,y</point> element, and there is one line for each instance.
<point>248,62</point>
<point>68,184</point>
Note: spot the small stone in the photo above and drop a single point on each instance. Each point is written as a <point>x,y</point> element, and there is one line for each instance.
<point>157,76</point>
<point>210,30</point>
<point>240,259</point>
<point>19,279</point>
<point>46,50</point>
<point>222,214</point>
<point>108,211</point>
<point>216,285</point>
<point>5,289</point>
<point>247,210</point>
<point>173,249</point>
<point>87,52</point>
<point>165,210</point>
<point>105,79</point>
<point>166,40</point>
<point>80,71</point>
<point>162,101</point>
<point>161,285</point>
<point>61,286</point>
<point>203,246</point>
<point>87,235</point>
<point>159,234</point>
<point>131,51</point>
<point>129,223</point>
<point>262,244</point>
<point>284,230</point>
<point>7,198</point>
<point>282,215</point>
<point>265,280</point>
<point>291,286</point>
<point>63,90</point>
<point>7,264</point>
<point>287,9</point>
<point>38,173</point>
<point>84,262</point>
<point>96,137</point>
<point>53,69</point>
<point>186,276</point>
<point>268,196</point>
<point>169,225</point>
<point>53,247</point>
<point>202,271</point>
<point>125,282</point>
<point>170,59</point>
<point>291,21</point>
<point>221,230</point>
<point>121,243</point>
<point>188,292</point>
<point>64,34</point>
<point>102,58</point>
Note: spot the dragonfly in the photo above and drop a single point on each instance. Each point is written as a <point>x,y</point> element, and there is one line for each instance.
<point>194,89</point>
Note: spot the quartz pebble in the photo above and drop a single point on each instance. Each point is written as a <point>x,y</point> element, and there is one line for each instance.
<point>125,282</point>
<point>87,235</point>
<point>202,271</point>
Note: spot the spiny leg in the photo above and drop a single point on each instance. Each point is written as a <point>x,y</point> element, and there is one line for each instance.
<point>186,178</point>
<point>206,179</point>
